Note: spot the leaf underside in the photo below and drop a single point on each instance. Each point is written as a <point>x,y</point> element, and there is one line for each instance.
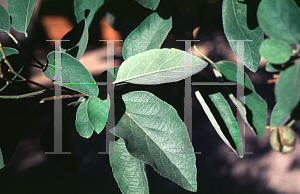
<point>155,134</point>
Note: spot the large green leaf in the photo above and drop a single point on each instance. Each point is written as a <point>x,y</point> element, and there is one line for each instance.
<point>159,66</point>
<point>280,20</point>
<point>72,72</point>
<point>78,37</point>
<point>258,112</point>
<point>92,115</point>
<point>1,160</point>
<point>235,25</point>
<point>150,34</point>
<point>274,51</point>
<point>150,4</point>
<point>234,141</point>
<point>80,6</point>
<point>155,134</point>
<point>21,12</point>
<point>5,20</point>
<point>128,171</point>
<point>287,93</point>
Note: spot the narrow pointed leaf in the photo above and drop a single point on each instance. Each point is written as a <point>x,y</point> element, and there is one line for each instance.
<point>150,4</point>
<point>80,6</point>
<point>150,34</point>
<point>253,101</point>
<point>92,115</point>
<point>230,121</point>
<point>274,51</point>
<point>1,160</point>
<point>287,93</point>
<point>128,171</point>
<point>78,37</point>
<point>21,12</point>
<point>235,134</point>
<point>5,20</point>
<point>235,25</point>
<point>74,75</point>
<point>280,20</point>
<point>155,134</point>
<point>159,66</point>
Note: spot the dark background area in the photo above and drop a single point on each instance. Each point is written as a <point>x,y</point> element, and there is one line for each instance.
<point>26,126</point>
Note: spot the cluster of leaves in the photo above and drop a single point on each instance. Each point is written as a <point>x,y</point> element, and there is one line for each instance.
<point>149,129</point>
<point>283,32</point>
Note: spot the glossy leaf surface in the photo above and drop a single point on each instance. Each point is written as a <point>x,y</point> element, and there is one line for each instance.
<point>128,171</point>
<point>155,134</point>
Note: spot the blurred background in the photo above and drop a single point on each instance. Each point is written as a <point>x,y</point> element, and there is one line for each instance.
<point>26,127</point>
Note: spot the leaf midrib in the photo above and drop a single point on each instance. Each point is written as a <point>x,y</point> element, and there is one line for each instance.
<point>161,150</point>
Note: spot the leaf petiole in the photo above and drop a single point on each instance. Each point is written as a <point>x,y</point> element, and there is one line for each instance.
<point>207,59</point>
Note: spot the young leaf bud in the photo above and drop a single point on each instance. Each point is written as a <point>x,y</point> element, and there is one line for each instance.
<point>283,139</point>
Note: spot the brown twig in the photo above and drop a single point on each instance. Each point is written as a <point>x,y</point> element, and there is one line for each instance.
<point>62,97</point>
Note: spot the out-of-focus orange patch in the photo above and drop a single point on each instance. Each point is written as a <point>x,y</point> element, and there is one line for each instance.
<point>108,33</point>
<point>56,26</point>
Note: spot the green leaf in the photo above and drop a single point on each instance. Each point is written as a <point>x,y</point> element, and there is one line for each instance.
<point>278,116</point>
<point>257,106</point>
<point>150,4</point>
<point>274,51</point>
<point>230,121</point>
<point>287,93</point>
<point>1,160</point>
<point>159,66</point>
<point>78,37</point>
<point>8,51</point>
<point>280,20</point>
<point>91,115</point>
<point>72,72</point>
<point>155,134</point>
<point>235,25</point>
<point>228,118</point>
<point>80,6</point>
<point>272,68</point>
<point>150,34</point>
<point>128,171</point>
<point>21,12</point>
<point>5,20</point>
